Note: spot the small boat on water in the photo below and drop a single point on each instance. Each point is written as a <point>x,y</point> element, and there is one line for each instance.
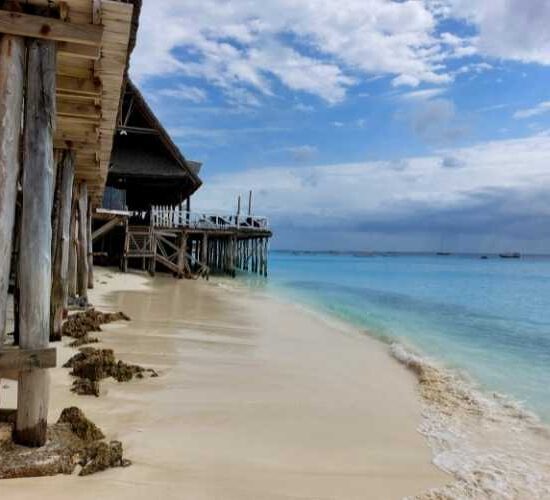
<point>444,253</point>
<point>510,255</point>
<point>484,257</point>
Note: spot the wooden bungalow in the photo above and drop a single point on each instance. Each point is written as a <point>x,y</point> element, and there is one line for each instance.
<point>68,59</point>
<point>146,215</point>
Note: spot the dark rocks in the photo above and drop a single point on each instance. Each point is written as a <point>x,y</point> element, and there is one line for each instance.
<point>100,456</point>
<point>80,425</point>
<point>80,324</point>
<point>73,440</point>
<point>92,365</point>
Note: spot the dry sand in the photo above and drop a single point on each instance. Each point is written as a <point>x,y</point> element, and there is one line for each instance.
<point>256,399</point>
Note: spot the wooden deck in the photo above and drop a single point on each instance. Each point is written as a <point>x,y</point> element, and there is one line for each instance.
<point>191,244</point>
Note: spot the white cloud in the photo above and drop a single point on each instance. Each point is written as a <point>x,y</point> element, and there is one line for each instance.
<point>422,95</point>
<point>242,43</point>
<point>185,93</point>
<point>508,29</point>
<point>338,124</point>
<point>539,109</point>
<point>350,193</point>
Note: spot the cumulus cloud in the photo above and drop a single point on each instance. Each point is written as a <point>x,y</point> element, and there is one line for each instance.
<point>436,121</point>
<point>508,29</point>
<point>313,46</point>
<point>499,186</point>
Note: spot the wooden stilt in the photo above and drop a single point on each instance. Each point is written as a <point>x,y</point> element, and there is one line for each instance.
<point>12,52</point>
<point>82,267</point>
<point>60,269</point>
<point>90,247</point>
<point>36,234</point>
<point>73,243</point>
<point>182,255</point>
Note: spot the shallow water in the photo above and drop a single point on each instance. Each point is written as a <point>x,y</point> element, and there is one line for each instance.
<point>489,319</point>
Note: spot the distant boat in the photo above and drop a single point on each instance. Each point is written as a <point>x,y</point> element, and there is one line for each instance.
<point>510,255</point>
<point>444,253</point>
<point>484,257</point>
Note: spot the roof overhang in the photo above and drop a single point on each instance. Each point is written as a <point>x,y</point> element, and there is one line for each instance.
<point>92,39</point>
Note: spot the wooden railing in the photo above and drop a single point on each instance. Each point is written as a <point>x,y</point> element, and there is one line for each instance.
<point>168,217</point>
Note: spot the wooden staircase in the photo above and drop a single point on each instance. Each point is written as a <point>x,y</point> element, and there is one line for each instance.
<point>165,247</point>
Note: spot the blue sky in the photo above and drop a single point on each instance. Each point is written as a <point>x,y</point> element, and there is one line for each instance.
<point>362,124</point>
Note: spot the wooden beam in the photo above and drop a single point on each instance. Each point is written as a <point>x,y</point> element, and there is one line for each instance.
<point>108,226</point>
<point>73,244</point>
<point>12,51</point>
<point>78,110</point>
<point>78,51</point>
<point>90,246</point>
<point>46,28</point>
<point>27,359</point>
<point>36,238</point>
<point>78,86</point>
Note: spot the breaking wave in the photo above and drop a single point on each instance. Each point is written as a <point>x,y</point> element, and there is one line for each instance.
<point>493,447</point>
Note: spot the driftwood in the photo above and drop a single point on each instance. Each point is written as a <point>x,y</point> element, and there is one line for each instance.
<point>12,50</point>
<point>36,234</point>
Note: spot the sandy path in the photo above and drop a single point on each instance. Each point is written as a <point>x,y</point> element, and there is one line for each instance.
<point>255,400</point>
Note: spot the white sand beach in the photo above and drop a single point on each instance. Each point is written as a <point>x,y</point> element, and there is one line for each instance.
<point>256,399</point>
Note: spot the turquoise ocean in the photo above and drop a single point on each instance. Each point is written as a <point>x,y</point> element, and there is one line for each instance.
<point>487,319</point>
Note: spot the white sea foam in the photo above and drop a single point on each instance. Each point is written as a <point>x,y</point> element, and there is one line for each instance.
<point>493,447</point>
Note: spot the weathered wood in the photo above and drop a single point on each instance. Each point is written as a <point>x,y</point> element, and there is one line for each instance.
<point>60,269</point>
<point>12,50</point>
<point>27,359</point>
<point>82,267</point>
<point>73,244</point>
<point>182,255</point>
<point>36,233</point>
<point>90,247</point>
<point>47,28</point>
<point>108,226</point>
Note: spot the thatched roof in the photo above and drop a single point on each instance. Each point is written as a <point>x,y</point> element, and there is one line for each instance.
<point>143,147</point>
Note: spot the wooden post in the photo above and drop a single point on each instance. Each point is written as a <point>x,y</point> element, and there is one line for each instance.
<point>182,254</point>
<point>82,267</point>
<point>91,247</point>
<point>60,271</point>
<point>12,53</point>
<point>36,234</point>
<point>73,244</point>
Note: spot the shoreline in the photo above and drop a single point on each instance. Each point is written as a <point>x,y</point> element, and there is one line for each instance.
<point>254,400</point>
<point>488,442</point>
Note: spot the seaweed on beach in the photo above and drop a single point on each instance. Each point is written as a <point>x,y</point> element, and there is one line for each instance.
<point>79,325</point>
<point>91,365</point>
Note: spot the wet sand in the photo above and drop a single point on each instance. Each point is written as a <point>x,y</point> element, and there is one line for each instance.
<point>256,399</point>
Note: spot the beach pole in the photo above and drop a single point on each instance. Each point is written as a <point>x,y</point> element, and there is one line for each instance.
<point>182,254</point>
<point>12,55</point>
<point>36,235</point>
<point>82,266</point>
<point>61,257</point>
<point>90,246</point>
<point>73,244</point>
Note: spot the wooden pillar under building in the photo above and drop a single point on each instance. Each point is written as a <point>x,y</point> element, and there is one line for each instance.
<point>36,234</point>
<point>73,244</point>
<point>60,270</point>
<point>12,54</point>
<point>82,267</point>
<point>204,249</point>
<point>182,255</point>
<point>90,246</point>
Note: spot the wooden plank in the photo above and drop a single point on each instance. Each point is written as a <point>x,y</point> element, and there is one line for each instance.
<point>27,359</point>
<point>109,226</point>
<point>78,51</point>
<point>78,110</point>
<point>12,51</point>
<point>78,86</point>
<point>46,28</point>
<point>36,238</point>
